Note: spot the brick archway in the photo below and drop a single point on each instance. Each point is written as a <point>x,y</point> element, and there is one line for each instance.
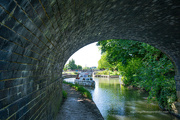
<point>38,36</point>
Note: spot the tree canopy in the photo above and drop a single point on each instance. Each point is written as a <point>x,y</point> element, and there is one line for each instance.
<point>71,65</point>
<point>141,65</point>
<point>103,63</point>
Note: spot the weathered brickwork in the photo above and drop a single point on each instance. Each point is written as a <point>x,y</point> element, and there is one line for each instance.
<point>38,36</point>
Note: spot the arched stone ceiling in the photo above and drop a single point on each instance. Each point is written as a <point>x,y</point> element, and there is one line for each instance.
<point>38,36</point>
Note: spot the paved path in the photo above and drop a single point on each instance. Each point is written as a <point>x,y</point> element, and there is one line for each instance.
<point>77,107</point>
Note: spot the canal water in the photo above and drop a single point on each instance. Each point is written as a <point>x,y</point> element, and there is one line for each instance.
<point>117,102</point>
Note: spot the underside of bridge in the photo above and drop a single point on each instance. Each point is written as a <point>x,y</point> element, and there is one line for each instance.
<point>38,36</point>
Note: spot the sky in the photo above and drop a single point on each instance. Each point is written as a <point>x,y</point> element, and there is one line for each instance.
<point>87,56</point>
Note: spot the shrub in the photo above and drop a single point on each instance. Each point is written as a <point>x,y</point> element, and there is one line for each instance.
<point>64,93</point>
<point>81,89</point>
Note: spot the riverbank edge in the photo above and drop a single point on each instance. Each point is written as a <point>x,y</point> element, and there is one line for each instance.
<point>89,103</point>
<point>175,109</point>
<point>107,76</point>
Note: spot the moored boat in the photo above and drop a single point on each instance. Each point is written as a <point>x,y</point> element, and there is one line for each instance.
<point>85,79</point>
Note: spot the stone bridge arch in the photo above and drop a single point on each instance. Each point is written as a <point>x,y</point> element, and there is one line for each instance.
<point>38,36</point>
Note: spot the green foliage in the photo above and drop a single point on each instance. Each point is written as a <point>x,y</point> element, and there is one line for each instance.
<point>105,72</point>
<point>64,93</point>
<point>108,72</point>
<point>86,68</point>
<point>120,50</point>
<point>79,67</point>
<point>164,91</point>
<point>114,73</point>
<point>103,63</point>
<point>75,73</point>
<point>70,72</point>
<point>144,66</point>
<point>72,66</point>
<point>66,67</point>
<point>81,89</point>
<point>131,70</point>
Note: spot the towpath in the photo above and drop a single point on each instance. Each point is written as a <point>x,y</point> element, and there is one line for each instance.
<point>77,107</point>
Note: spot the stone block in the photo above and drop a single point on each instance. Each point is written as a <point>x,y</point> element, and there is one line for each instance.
<point>3,114</point>
<point>1,84</point>
<point>13,66</point>
<point>10,22</point>
<point>13,108</point>
<point>4,93</point>
<point>5,32</point>
<point>9,84</point>
<point>3,55</point>
<point>4,65</point>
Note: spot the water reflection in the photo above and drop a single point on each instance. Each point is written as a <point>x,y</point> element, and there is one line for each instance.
<point>117,102</point>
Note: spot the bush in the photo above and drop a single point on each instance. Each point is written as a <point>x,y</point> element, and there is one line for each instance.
<point>154,76</point>
<point>75,73</point>
<point>64,93</point>
<point>105,72</point>
<point>85,92</point>
<point>81,89</point>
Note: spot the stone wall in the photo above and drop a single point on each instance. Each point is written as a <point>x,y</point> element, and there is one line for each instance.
<point>30,79</point>
<point>38,36</point>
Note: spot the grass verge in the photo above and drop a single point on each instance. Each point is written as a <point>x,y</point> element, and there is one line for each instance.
<point>64,93</point>
<point>81,89</point>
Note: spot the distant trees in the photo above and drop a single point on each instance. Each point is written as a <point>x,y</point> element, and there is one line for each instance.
<point>79,67</point>
<point>66,67</point>
<point>71,65</point>
<point>86,68</point>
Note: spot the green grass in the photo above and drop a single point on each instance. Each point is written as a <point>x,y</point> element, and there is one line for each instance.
<point>71,73</point>
<point>64,93</point>
<point>108,72</point>
<point>81,89</point>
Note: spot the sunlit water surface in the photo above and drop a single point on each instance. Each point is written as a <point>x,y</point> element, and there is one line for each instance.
<point>117,102</point>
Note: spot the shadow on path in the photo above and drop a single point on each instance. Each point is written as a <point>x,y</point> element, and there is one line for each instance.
<point>77,107</point>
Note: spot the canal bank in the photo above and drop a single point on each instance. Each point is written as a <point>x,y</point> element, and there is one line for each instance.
<point>77,107</point>
<point>116,102</point>
<point>175,106</point>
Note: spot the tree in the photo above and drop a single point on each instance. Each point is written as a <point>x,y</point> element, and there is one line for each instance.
<point>66,67</point>
<point>72,64</point>
<point>120,50</point>
<point>79,67</point>
<point>142,65</point>
<point>103,63</point>
<point>86,68</point>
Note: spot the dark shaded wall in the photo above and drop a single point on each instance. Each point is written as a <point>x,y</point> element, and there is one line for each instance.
<point>38,36</point>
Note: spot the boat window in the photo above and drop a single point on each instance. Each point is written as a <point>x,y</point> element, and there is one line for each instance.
<point>90,78</point>
<point>83,78</point>
<point>87,78</point>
